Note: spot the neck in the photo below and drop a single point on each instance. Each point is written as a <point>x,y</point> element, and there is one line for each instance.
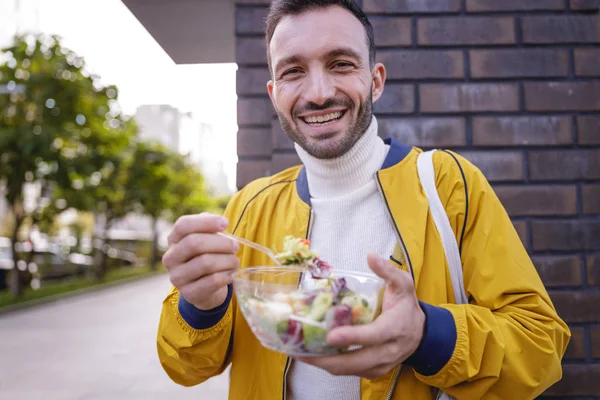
<point>339,176</point>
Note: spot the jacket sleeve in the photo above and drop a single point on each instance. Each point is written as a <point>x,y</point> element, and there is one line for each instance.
<point>509,341</point>
<point>194,345</point>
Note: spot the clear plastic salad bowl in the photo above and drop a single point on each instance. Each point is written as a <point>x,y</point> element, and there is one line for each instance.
<point>291,312</point>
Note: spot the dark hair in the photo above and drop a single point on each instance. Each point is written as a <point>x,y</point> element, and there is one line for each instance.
<point>283,8</point>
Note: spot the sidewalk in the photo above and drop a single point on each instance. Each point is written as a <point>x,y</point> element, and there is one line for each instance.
<point>98,346</point>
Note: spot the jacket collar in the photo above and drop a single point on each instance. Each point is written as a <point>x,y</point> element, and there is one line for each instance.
<point>396,153</point>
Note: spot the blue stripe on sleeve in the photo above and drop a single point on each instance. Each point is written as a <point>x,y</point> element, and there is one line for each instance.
<point>437,345</point>
<point>201,319</point>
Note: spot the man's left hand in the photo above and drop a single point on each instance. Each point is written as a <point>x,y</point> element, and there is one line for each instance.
<point>389,340</point>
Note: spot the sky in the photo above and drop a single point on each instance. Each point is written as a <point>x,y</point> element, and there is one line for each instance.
<point>120,50</point>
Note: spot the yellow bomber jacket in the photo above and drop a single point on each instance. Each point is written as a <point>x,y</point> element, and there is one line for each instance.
<point>507,343</point>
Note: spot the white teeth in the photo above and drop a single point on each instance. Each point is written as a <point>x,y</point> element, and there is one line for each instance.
<point>323,118</point>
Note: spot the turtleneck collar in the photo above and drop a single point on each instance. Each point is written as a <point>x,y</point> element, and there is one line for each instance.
<point>339,176</point>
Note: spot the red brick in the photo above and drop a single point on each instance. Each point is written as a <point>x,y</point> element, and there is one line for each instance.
<point>469,97</point>
<point>425,132</point>
<point>537,200</point>
<point>593,270</point>
<point>566,235</point>
<point>514,5</point>
<point>284,161</point>
<point>585,4</point>
<point>564,165</point>
<point>252,81</point>
<point>522,131</point>
<point>522,229</point>
<point>250,51</point>
<point>391,31</point>
<point>254,111</point>
<point>577,306</point>
<point>457,31</point>
<point>587,62</point>
<point>410,6</point>
<point>577,380</point>
<point>279,138</point>
<point>247,171</point>
<point>396,98</point>
<point>254,142</point>
<point>595,341</point>
<point>250,20</point>
<point>513,63</point>
<point>560,29</point>
<point>422,64</point>
<point>562,96</point>
<point>558,271</point>
<point>591,199</point>
<point>576,347</point>
<point>588,128</point>
<point>497,165</point>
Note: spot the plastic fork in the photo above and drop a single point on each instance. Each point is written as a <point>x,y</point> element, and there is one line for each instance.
<point>250,243</point>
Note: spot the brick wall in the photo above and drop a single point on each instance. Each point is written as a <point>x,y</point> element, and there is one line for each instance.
<point>514,86</point>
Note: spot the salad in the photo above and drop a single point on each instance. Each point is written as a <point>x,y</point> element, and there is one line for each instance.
<point>297,322</point>
<point>297,252</point>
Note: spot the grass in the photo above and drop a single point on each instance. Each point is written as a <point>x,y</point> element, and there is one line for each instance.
<point>72,284</point>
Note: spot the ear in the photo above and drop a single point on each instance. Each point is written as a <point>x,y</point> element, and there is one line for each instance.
<point>379,75</point>
<point>270,87</point>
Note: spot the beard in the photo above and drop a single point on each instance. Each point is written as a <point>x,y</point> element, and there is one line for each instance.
<point>330,148</point>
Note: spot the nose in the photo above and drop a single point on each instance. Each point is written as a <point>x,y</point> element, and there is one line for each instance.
<point>320,88</point>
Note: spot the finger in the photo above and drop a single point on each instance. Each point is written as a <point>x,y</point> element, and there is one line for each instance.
<point>201,266</point>
<point>398,279</point>
<point>200,223</point>
<point>376,333</point>
<point>196,244</point>
<point>197,291</point>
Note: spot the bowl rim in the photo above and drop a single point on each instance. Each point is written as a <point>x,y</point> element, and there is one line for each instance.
<point>285,268</point>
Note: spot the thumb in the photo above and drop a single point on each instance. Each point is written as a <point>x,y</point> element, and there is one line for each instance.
<point>384,269</point>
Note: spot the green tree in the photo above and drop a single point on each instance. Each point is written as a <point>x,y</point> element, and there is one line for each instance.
<point>148,185</point>
<point>164,184</point>
<point>101,187</point>
<point>188,194</point>
<point>44,129</point>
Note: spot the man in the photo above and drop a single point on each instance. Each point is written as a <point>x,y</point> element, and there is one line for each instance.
<point>357,194</point>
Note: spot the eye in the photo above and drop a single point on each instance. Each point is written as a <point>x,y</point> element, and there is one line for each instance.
<point>291,72</point>
<point>344,65</point>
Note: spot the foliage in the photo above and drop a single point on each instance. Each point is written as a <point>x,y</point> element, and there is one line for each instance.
<point>65,138</point>
<point>52,129</point>
<point>164,184</point>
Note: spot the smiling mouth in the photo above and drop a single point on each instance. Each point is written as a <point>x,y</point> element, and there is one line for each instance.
<point>323,119</point>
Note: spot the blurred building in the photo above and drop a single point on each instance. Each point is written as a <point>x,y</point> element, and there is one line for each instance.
<point>209,160</point>
<point>184,133</point>
<point>161,123</point>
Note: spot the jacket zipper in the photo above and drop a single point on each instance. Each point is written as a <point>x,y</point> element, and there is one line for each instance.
<point>392,387</point>
<point>288,362</point>
<point>396,229</point>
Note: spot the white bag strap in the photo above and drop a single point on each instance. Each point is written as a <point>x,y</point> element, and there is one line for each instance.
<point>442,223</point>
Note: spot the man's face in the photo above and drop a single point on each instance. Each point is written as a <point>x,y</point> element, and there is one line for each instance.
<point>323,87</point>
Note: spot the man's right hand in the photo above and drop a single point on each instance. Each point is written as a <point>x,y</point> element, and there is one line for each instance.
<point>200,262</point>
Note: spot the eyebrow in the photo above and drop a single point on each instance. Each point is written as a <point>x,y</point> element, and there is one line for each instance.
<point>337,52</point>
<point>289,60</point>
<point>343,52</point>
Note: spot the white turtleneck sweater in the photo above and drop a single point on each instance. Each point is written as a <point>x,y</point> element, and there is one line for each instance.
<point>350,220</point>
